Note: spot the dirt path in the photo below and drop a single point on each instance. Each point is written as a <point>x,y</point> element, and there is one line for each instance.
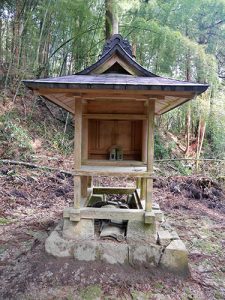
<point>31,205</point>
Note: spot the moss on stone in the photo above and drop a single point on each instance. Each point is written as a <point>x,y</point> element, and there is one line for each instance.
<point>92,292</point>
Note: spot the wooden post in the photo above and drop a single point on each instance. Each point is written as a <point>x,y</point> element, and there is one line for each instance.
<point>90,182</point>
<point>77,192</point>
<point>144,141</point>
<point>77,150</point>
<point>84,186</point>
<point>85,139</point>
<point>150,153</point>
<point>84,131</point>
<point>138,183</point>
<point>143,189</point>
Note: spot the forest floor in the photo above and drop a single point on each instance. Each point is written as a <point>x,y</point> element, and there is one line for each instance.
<point>31,205</point>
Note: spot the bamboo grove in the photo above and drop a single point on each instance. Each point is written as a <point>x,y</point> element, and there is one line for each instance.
<point>182,39</point>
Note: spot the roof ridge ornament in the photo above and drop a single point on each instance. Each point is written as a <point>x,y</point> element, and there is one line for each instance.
<point>117,39</point>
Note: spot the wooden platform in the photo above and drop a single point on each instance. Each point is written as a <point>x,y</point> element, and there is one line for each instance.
<point>118,163</point>
<point>118,171</point>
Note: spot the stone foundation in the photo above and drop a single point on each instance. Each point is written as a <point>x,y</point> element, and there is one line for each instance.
<point>146,245</point>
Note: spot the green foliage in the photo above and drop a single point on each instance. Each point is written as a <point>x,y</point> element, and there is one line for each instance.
<point>182,169</point>
<point>161,150</point>
<point>62,143</point>
<point>180,39</point>
<point>16,138</point>
<point>4,221</point>
<point>215,142</point>
<point>91,292</point>
<point>52,135</point>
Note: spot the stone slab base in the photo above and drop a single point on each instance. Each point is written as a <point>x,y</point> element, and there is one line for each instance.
<point>144,246</point>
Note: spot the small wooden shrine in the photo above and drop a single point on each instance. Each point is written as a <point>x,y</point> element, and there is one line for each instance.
<point>114,102</point>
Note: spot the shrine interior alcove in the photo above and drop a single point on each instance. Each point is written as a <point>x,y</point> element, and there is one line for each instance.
<point>117,124</point>
<point>124,134</point>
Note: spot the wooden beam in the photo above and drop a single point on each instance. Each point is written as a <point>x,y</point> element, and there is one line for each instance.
<point>113,190</point>
<point>105,214</point>
<point>172,105</point>
<point>150,153</point>
<point>146,94</point>
<point>115,116</point>
<point>112,173</point>
<point>51,98</point>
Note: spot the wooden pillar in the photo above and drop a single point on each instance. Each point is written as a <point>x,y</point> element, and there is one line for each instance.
<point>84,139</point>
<point>138,183</point>
<point>144,141</point>
<point>150,153</point>
<point>143,189</point>
<point>84,132</point>
<point>90,182</point>
<point>77,150</point>
<point>84,186</point>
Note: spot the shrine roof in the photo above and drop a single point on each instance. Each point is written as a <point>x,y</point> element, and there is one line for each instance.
<point>116,81</point>
<point>116,71</point>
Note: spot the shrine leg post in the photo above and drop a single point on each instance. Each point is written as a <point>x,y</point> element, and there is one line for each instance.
<point>150,158</point>
<point>77,151</point>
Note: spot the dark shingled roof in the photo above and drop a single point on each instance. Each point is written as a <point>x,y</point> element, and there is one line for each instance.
<point>116,81</point>
<point>117,70</point>
<point>116,45</point>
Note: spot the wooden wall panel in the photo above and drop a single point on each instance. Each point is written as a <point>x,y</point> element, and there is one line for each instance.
<point>103,134</point>
<point>116,107</point>
<point>124,135</point>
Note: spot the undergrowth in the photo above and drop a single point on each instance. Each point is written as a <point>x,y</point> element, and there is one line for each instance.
<point>22,136</point>
<point>162,150</point>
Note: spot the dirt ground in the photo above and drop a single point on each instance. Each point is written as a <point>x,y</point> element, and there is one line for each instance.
<point>31,205</point>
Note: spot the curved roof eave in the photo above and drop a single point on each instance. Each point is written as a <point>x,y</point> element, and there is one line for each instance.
<point>125,56</point>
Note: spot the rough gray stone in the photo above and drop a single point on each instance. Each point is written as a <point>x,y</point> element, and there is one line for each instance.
<point>141,249</point>
<point>139,232</point>
<point>165,237</point>
<point>155,206</point>
<point>110,252</point>
<point>174,235</point>
<point>113,252</point>
<point>87,251</point>
<point>175,257</point>
<point>82,230</point>
<point>57,246</point>
<point>144,254</point>
<point>167,226</point>
<point>159,216</point>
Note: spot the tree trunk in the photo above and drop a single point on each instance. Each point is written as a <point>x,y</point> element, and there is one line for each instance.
<point>188,129</point>
<point>40,41</point>
<point>188,116</point>
<point>1,34</point>
<point>111,19</point>
<point>16,32</point>
<point>200,139</point>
